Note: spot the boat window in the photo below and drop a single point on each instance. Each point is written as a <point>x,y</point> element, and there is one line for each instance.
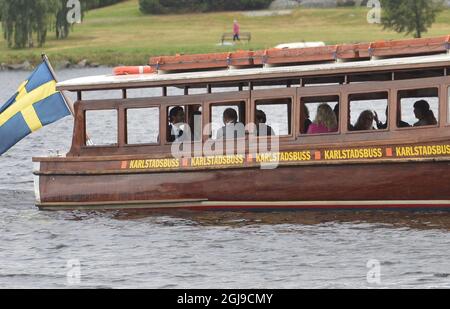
<point>218,113</point>
<point>273,117</point>
<point>324,81</point>
<point>369,77</point>
<point>142,125</point>
<point>418,107</point>
<point>448,104</point>
<point>184,123</point>
<point>101,127</point>
<point>368,111</point>
<point>416,74</point>
<point>323,111</point>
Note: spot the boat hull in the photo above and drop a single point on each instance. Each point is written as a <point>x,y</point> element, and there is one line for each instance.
<point>383,185</point>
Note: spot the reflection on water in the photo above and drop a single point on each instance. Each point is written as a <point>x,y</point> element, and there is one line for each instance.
<point>387,219</point>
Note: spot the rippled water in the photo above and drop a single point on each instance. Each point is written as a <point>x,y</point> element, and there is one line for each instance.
<point>203,250</point>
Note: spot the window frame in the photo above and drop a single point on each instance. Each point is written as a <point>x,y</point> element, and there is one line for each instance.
<point>398,107</point>
<point>223,99</point>
<point>338,132</point>
<point>86,109</point>
<point>126,143</point>
<point>282,93</point>
<point>348,116</point>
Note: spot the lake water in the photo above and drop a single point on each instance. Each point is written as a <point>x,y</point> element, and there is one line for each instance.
<point>203,250</point>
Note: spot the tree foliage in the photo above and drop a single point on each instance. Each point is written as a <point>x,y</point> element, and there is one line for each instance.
<point>21,19</point>
<point>410,16</point>
<point>26,22</point>
<point>184,6</point>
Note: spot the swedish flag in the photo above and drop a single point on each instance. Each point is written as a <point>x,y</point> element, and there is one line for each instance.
<point>35,104</point>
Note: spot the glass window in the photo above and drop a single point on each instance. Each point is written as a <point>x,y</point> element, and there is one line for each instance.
<point>184,123</point>
<point>226,114</point>
<point>448,103</point>
<point>319,115</point>
<point>273,117</point>
<point>143,125</point>
<point>368,111</point>
<point>418,107</point>
<point>101,127</point>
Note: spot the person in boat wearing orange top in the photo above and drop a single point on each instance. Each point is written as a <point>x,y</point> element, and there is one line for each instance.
<point>236,31</point>
<point>261,128</point>
<point>365,121</point>
<point>425,115</point>
<point>232,128</point>
<point>176,122</point>
<point>325,121</point>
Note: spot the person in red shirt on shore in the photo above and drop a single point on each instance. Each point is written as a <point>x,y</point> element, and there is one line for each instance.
<point>236,31</point>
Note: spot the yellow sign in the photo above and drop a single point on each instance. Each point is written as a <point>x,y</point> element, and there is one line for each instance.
<point>419,151</point>
<point>156,163</point>
<point>283,157</point>
<point>346,154</point>
<point>293,156</point>
<point>218,160</point>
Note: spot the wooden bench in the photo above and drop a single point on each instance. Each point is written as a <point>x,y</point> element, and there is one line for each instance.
<point>243,36</point>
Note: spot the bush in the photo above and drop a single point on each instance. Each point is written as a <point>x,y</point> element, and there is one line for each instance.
<point>185,6</point>
<point>93,4</point>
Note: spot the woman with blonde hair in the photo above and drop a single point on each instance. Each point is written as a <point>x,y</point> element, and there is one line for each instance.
<point>365,121</point>
<point>325,121</point>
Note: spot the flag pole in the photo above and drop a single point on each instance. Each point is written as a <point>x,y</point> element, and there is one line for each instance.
<point>69,102</point>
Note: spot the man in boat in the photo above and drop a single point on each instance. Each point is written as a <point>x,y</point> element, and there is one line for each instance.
<point>261,128</point>
<point>176,124</point>
<point>425,115</point>
<point>232,128</point>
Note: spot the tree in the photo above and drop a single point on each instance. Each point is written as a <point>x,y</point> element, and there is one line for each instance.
<point>21,19</point>
<point>410,16</point>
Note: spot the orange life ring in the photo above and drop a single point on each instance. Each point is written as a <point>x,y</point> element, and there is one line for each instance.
<point>134,70</point>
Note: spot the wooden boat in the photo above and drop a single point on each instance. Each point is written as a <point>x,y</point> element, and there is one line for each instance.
<point>394,167</point>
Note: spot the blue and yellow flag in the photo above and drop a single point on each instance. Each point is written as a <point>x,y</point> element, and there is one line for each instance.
<point>35,104</point>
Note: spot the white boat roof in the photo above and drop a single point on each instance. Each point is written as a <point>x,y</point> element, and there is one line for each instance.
<point>171,79</point>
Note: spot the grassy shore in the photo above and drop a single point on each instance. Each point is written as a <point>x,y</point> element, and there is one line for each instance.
<point>120,34</point>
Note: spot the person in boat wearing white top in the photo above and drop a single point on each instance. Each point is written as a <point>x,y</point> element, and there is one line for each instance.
<point>232,128</point>
<point>177,126</point>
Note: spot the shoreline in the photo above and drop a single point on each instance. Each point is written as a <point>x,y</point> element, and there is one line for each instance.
<point>28,66</point>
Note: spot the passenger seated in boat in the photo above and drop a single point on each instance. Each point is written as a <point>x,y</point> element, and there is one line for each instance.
<point>176,123</point>
<point>336,111</point>
<point>380,125</point>
<point>325,121</point>
<point>261,128</point>
<point>425,115</point>
<point>365,121</point>
<point>196,126</point>
<point>232,128</point>
<point>307,120</point>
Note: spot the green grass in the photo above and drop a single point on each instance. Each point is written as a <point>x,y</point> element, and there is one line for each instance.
<point>120,34</point>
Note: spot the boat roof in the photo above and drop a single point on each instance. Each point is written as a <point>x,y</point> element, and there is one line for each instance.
<point>104,82</point>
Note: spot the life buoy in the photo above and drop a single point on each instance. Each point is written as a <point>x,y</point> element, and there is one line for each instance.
<point>134,70</point>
